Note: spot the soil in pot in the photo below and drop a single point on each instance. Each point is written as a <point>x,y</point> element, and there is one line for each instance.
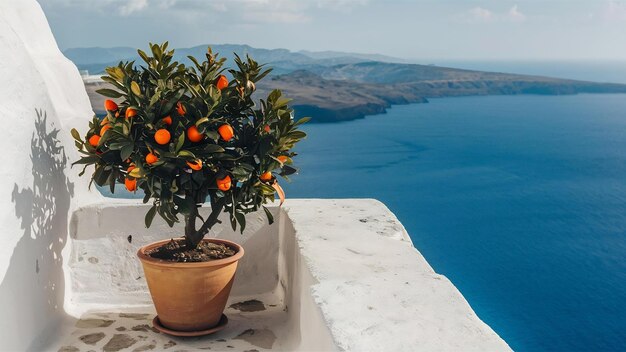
<point>177,251</point>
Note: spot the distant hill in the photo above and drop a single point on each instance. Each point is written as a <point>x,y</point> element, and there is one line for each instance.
<point>321,55</point>
<point>330,100</point>
<point>333,86</point>
<point>97,59</point>
<point>96,55</point>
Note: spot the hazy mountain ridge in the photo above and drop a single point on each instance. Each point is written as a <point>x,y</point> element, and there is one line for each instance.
<point>334,86</point>
<point>96,59</point>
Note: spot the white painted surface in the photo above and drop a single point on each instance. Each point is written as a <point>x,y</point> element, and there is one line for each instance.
<point>38,189</point>
<point>375,290</point>
<point>345,270</point>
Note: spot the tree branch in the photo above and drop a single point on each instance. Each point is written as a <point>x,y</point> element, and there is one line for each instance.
<point>216,210</point>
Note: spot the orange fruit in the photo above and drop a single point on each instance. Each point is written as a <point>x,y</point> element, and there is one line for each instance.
<point>282,158</point>
<point>110,105</point>
<point>131,184</point>
<point>224,183</point>
<point>162,136</point>
<point>226,132</point>
<point>167,120</point>
<point>266,128</point>
<point>151,158</point>
<point>117,114</point>
<point>130,112</point>
<point>180,109</point>
<point>194,135</point>
<point>222,82</point>
<point>93,140</point>
<point>130,168</point>
<point>195,165</point>
<point>267,176</point>
<point>104,129</point>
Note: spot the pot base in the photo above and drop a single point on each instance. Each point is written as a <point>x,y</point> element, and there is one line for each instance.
<point>221,325</point>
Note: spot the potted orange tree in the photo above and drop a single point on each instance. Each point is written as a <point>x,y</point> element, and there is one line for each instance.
<point>186,135</point>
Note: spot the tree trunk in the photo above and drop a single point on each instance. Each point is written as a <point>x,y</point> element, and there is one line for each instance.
<point>193,236</point>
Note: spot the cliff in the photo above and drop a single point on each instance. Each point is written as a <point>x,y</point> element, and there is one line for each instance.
<point>353,91</point>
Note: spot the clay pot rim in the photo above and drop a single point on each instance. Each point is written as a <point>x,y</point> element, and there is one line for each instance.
<point>166,263</point>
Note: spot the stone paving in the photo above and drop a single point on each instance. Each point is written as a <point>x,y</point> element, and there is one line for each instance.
<point>251,327</point>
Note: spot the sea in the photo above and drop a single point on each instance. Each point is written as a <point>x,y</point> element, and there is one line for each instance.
<point>519,200</point>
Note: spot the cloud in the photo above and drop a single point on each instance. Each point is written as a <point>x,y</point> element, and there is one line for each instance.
<point>615,11</point>
<point>274,11</point>
<point>251,11</point>
<point>515,15</point>
<point>478,13</point>
<point>482,15</point>
<point>344,6</point>
<point>131,6</point>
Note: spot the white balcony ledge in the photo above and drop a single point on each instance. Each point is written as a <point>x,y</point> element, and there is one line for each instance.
<point>327,275</point>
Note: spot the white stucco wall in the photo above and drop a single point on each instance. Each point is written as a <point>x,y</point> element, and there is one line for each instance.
<point>41,91</point>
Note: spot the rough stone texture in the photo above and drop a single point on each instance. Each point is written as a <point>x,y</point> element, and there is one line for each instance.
<point>93,323</point>
<point>252,305</point>
<point>119,342</point>
<point>262,338</point>
<point>92,339</point>
<point>409,306</point>
<point>69,349</point>
<point>245,331</point>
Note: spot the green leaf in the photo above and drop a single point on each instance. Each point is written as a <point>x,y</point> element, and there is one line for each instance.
<point>184,205</point>
<point>134,87</point>
<point>233,222</point>
<point>143,55</point>
<point>109,93</point>
<point>137,173</point>
<point>76,135</point>
<point>155,98</point>
<point>86,160</point>
<point>212,148</point>
<point>118,145</point>
<point>288,170</point>
<point>269,215</point>
<point>126,151</point>
<point>146,196</point>
<point>201,121</point>
<point>186,154</point>
<point>112,181</point>
<point>296,135</point>
<point>150,215</point>
<point>180,142</point>
<point>280,102</point>
<point>119,73</point>
<point>212,135</point>
<point>241,219</point>
<point>302,120</point>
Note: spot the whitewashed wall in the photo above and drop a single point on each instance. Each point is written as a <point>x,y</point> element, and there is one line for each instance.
<point>40,91</point>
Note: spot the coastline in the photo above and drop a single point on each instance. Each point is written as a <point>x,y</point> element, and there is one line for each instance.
<point>331,101</point>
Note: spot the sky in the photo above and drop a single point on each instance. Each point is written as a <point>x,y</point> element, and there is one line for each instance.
<point>419,29</point>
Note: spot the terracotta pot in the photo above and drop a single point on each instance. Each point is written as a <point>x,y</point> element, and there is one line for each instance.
<point>190,296</point>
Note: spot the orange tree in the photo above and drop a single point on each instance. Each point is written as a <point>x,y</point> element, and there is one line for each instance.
<point>183,134</point>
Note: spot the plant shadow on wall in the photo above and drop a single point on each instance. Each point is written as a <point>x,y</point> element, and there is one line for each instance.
<point>35,273</point>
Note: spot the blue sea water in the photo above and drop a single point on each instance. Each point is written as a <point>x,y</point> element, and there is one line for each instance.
<point>519,200</point>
